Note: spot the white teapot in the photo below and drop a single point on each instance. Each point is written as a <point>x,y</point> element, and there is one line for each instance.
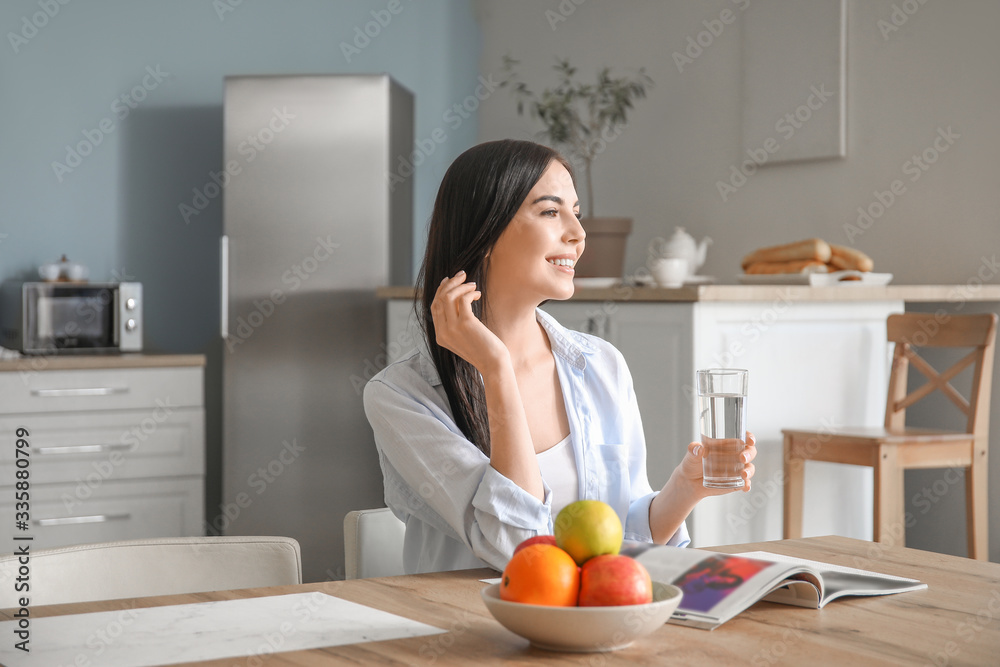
<point>682,245</point>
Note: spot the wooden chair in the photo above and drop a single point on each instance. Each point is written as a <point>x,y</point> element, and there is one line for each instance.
<point>895,447</point>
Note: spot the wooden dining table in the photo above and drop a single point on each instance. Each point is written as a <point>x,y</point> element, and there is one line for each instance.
<point>955,621</point>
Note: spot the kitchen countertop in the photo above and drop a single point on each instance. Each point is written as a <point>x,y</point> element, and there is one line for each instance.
<point>100,361</point>
<point>694,293</point>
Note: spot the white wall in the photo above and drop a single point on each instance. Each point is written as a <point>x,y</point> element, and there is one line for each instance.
<point>937,71</point>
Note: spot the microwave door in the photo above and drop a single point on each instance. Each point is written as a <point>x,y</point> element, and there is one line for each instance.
<point>72,319</point>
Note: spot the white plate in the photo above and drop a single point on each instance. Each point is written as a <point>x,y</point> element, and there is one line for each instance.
<point>648,281</point>
<point>596,282</point>
<point>583,629</point>
<point>817,279</point>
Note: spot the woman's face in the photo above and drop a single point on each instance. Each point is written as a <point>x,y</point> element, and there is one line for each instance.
<point>535,254</point>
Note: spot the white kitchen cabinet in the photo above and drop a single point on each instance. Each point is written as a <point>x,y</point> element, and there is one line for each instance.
<point>117,447</point>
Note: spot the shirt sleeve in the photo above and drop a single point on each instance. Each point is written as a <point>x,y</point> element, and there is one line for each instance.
<point>432,471</point>
<point>640,493</point>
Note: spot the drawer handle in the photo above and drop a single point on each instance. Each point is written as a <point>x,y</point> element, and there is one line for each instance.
<point>92,518</point>
<point>83,449</point>
<point>82,391</point>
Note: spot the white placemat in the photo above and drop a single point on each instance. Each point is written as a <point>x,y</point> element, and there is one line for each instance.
<point>204,631</point>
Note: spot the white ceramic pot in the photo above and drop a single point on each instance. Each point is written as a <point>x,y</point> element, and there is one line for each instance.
<point>669,271</point>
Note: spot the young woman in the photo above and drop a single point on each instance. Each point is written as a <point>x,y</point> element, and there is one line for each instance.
<point>508,416</point>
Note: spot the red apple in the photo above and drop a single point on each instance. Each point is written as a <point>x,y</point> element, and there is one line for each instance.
<point>537,539</point>
<point>613,580</point>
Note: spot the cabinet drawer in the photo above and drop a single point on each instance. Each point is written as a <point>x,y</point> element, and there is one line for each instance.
<point>102,389</point>
<point>93,448</point>
<point>115,511</point>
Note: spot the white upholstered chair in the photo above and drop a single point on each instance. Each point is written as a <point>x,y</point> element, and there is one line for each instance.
<point>373,544</point>
<point>162,566</point>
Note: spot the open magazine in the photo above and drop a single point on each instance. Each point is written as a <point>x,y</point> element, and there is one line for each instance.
<point>719,586</point>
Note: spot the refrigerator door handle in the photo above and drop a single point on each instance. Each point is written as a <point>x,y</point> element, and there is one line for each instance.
<point>224,300</point>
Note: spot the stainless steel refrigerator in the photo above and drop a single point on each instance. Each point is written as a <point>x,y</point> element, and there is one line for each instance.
<point>314,219</point>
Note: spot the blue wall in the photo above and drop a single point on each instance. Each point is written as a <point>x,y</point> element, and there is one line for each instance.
<point>65,66</point>
<point>63,79</point>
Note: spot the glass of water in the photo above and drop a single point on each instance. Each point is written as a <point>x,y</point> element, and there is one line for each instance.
<point>722,408</point>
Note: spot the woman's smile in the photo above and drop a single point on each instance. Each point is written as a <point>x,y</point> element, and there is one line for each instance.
<point>564,264</point>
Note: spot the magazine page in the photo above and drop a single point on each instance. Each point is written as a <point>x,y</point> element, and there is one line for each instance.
<point>716,586</point>
<point>837,580</point>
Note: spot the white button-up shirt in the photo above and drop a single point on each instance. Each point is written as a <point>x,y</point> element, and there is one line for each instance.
<point>459,511</point>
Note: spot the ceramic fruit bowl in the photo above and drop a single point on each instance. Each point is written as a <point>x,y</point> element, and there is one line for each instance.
<point>583,629</point>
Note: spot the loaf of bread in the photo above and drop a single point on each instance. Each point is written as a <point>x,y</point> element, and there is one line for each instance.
<point>845,258</point>
<point>816,250</point>
<point>792,266</point>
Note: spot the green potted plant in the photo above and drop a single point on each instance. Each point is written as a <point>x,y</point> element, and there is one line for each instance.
<point>583,118</point>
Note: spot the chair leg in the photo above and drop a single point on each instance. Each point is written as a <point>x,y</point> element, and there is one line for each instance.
<point>976,503</point>
<point>888,524</point>
<point>794,469</point>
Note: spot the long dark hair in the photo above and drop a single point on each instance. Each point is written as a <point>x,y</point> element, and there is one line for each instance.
<point>479,195</point>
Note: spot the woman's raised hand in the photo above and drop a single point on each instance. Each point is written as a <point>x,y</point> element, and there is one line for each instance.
<point>458,329</point>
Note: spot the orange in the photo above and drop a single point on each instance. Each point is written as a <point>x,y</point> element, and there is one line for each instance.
<point>588,528</point>
<point>541,574</point>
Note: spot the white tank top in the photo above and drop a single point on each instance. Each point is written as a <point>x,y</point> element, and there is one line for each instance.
<point>558,467</point>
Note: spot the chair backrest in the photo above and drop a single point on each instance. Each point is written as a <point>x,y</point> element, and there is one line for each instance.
<point>163,566</point>
<point>373,544</point>
<point>915,330</point>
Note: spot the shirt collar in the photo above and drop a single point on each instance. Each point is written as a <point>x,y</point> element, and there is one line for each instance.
<point>427,368</point>
<point>570,345</point>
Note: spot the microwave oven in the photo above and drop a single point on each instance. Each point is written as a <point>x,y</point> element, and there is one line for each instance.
<point>71,318</point>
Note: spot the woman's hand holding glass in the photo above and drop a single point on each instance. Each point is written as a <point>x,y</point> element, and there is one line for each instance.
<point>691,469</point>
